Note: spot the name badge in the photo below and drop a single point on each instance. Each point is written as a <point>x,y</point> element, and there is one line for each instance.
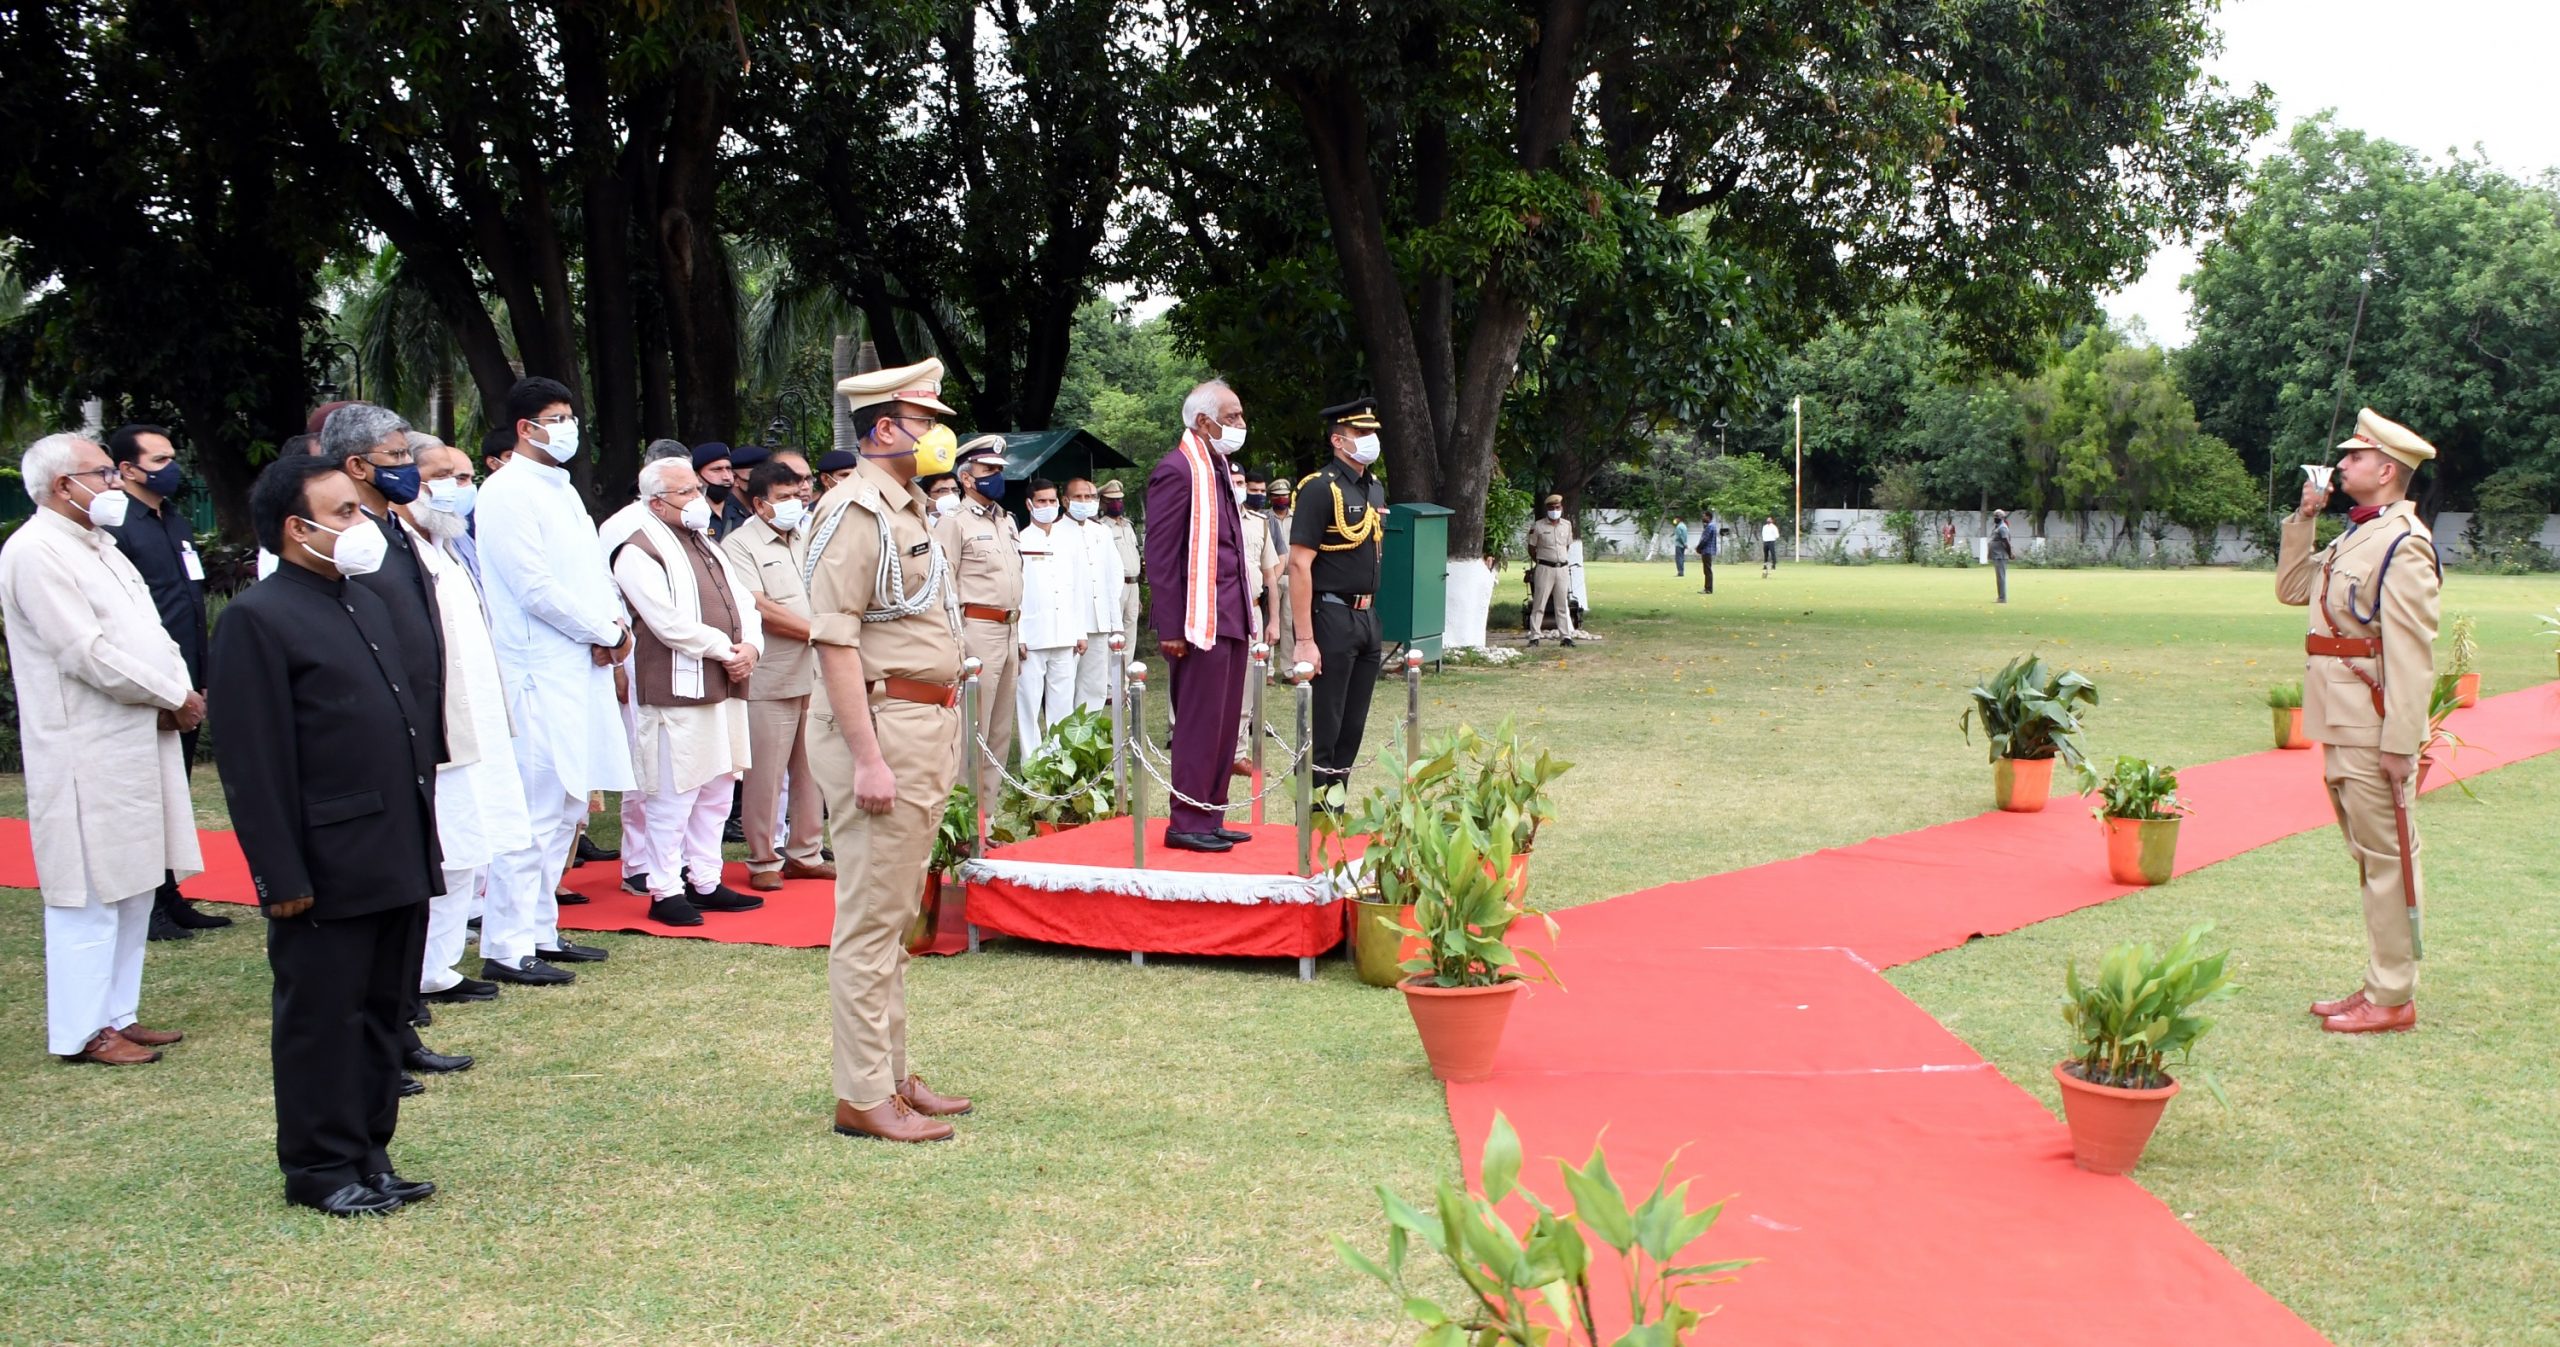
<point>187,557</point>
<point>920,549</point>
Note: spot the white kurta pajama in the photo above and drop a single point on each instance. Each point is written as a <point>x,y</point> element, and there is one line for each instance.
<point>107,803</point>
<point>550,599</point>
<point>1054,614</point>
<point>480,811</point>
<point>617,528</point>
<point>686,757</point>
<point>1103,591</point>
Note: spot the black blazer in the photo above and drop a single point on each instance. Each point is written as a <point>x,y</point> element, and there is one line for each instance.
<point>322,747</point>
<point>156,542</point>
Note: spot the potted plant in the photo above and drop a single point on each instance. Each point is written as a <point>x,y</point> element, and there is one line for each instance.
<point>2029,721</point>
<point>953,839</point>
<point>2128,1024</point>
<point>2442,701</point>
<point>1537,1288</point>
<point>1066,781</point>
<point>1460,984</point>
<point>2139,806</point>
<point>2286,701</point>
<point>2463,654</point>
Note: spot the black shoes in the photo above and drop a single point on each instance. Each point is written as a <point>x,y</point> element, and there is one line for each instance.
<point>565,898</point>
<point>403,1191</point>
<point>636,885</point>
<point>166,927</point>
<point>1210,842</point>
<point>423,1019</point>
<point>673,911</point>
<point>436,1063</point>
<point>469,989</point>
<point>722,898</point>
<point>410,1085</point>
<point>568,953</point>
<point>356,1199</point>
<point>527,971</point>
<point>1236,836</point>
<point>589,851</point>
<point>184,913</point>
<point>734,831</point>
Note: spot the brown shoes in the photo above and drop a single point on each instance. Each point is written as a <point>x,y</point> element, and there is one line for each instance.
<point>926,1102</point>
<point>151,1038</point>
<point>807,870</point>
<point>109,1048</point>
<point>891,1121</point>
<point>764,881</point>
<point>2325,1009</point>
<point>2368,1018</point>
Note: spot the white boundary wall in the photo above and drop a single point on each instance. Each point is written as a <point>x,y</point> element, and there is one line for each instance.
<point>1613,535</point>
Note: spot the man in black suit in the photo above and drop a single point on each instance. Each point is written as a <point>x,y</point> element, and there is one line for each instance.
<point>325,758</point>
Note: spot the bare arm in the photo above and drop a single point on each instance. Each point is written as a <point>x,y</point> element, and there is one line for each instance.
<point>1302,605</point>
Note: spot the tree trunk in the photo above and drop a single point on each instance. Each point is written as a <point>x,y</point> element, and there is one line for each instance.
<point>604,190</point>
<point>693,269</point>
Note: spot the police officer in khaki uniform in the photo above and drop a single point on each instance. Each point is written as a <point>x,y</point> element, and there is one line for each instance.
<point>885,735</point>
<point>1334,545</point>
<point>1124,535</point>
<point>1550,554</point>
<point>2374,599</point>
<point>985,551</point>
<point>1284,631</point>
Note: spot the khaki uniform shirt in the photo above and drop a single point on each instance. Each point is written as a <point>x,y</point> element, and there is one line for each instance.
<point>768,563</point>
<point>2345,584</point>
<point>1551,540</point>
<point>985,550</point>
<point>1125,535</point>
<point>845,581</point>
<point>1259,555</point>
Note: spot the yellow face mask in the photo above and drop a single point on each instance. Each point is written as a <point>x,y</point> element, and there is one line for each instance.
<point>934,450</point>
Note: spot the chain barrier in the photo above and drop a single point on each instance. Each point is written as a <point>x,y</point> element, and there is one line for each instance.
<point>988,756</point>
<point>1270,779</point>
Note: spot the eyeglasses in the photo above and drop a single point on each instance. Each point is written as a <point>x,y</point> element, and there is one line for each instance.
<point>680,493</point>
<point>555,419</point>
<point>392,458</point>
<point>105,477</point>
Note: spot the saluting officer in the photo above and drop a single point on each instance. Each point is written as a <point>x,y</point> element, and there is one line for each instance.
<point>884,740</point>
<point>985,552</point>
<point>1550,571</point>
<point>1334,543</point>
<point>2374,596</point>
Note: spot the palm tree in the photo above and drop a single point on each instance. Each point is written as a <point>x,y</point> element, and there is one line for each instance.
<point>405,357</point>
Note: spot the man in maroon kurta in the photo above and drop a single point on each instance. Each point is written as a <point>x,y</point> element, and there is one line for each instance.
<point>1199,617</point>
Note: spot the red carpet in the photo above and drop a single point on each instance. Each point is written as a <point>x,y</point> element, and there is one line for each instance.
<point>1900,1190</point>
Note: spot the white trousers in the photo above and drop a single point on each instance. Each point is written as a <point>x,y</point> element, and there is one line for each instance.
<point>683,838</point>
<point>92,970</point>
<point>1093,671</point>
<point>521,913</point>
<point>448,926</point>
<point>1043,694</point>
<point>635,815</point>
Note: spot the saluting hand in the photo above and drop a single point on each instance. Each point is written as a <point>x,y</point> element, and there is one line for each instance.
<point>2314,500</point>
<point>875,787</point>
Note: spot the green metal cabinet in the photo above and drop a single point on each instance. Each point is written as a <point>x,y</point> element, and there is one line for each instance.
<point>1413,577</point>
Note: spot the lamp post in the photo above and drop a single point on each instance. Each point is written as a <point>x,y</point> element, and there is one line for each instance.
<point>328,388</point>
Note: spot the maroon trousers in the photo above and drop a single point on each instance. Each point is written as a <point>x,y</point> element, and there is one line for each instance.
<point>1208,695</point>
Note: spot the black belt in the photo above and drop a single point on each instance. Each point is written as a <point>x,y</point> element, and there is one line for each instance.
<point>1555,563</point>
<point>1348,600</point>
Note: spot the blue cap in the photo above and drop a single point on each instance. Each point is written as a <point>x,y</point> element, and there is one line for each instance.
<point>704,455</point>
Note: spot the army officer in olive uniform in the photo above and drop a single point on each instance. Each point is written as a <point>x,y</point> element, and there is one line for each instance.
<point>884,739</point>
<point>2374,597</point>
<point>1334,543</point>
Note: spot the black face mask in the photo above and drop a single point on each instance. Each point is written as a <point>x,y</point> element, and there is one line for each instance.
<point>719,494</point>
<point>1255,500</point>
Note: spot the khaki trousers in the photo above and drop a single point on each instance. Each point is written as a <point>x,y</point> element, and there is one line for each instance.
<point>778,750</point>
<point>999,659</point>
<point>1129,613</point>
<point>1547,586</point>
<point>880,873</point>
<point>2361,794</point>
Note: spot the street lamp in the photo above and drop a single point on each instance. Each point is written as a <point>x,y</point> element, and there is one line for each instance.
<point>1719,437</point>
<point>327,387</point>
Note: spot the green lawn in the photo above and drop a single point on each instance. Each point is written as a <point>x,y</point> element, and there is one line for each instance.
<point>1160,1153</point>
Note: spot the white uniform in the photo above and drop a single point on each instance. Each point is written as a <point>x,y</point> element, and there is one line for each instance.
<point>1103,594</point>
<point>550,599</point>
<point>1056,609</point>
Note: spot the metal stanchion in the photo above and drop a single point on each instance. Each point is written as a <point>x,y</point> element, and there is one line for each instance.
<point>1303,675</point>
<point>1119,723</point>
<point>972,757</point>
<point>1137,687</point>
<point>1253,727</point>
<point>1412,705</point>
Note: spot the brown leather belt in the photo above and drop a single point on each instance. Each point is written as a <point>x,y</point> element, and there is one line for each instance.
<point>917,690</point>
<point>2343,647</point>
<point>1349,600</point>
<point>985,613</point>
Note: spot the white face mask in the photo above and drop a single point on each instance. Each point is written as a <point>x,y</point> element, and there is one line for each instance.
<point>945,504</point>
<point>1231,438</point>
<point>1555,514</point>
<point>788,515</point>
<point>452,496</point>
<point>697,514</point>
<point>1082,510</point>
<point>563,444</point>
<point>1240,494</point>
<point>105,508</point>
<point>1044,514</point>
<point>360,547</point>
<point>1364,449</point>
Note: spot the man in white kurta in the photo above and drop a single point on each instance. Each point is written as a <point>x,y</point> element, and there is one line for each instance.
<point>480,810</point>
<point>557,623</point>
<point>1055,609</point>
<point>699,637</point>
<point>1101,578</point>
<point>617,529</point>
<point>107,804</point>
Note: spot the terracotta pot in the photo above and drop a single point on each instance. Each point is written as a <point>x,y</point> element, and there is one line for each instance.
<point>2109,1126</point>
<point>2019,785</point>
<point>927,921</point>
<point>1460,1026</point>
<point>2142,850</point>
<point>1378,940</point>
<point>2466,690</point>
<point>2289,727</point>
<point>1042,827</point>
<point>2425,761</point>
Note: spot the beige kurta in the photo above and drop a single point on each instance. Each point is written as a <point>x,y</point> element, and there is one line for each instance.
<point>107,797</point>
<point>702,741</point>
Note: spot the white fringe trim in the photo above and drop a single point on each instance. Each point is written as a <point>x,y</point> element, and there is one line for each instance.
<point>1172,886</point>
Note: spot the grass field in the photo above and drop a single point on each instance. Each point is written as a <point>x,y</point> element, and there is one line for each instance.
<point>1160,1153</point>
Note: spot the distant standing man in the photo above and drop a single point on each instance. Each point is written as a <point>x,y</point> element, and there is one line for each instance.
<point>103,694</point>
<point>2000,553</point>
<point>1710,541</point>
<point>1550,563</point>
<point>885,737</point>
<point>984,549</point>
<point>1195,561</point>
<point>766,553</point>
<point>161,544</point>
<point>1768,546</point>
<point>2370,675</point>
<point>1333,584</point>
<point>1124,536</point>
<point>1282,634</point>
<point>1679,548</point>
<point>1101,590</point>
<point>1055,604</point>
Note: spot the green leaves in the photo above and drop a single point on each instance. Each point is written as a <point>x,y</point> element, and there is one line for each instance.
<point>2137,789</point>
<point>2142,1011</point>
<point>1073,765</point>
<point>2028,711</point>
